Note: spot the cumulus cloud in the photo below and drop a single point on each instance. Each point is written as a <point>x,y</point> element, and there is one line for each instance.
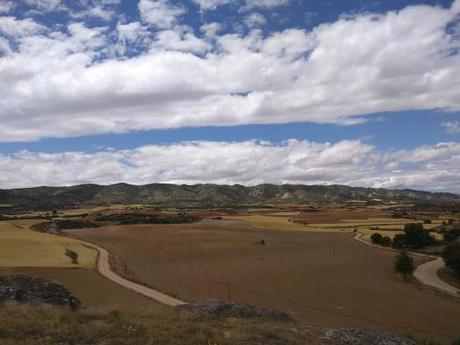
<point>254,20</point>
<point>6,6</point>
<point>211,29</point>
<point>160,13</point>
<point>350,162</point>
<point>265,3</point>
<point>44,5</point>
<point>206,5</point>
<point>451,126</point>
<point>67,82</point>
<point>17,28</point>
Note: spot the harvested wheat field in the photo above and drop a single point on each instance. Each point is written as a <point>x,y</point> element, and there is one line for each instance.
<point>20,247</point>
<point>92,289</point>
<point>320,278</point>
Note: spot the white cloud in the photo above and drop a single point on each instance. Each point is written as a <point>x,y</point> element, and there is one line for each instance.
<point>160,13</point>
<point>61,84</point>
<point>250,162</point>
<point>181,39</point>
<point>206,5</point>
<point>16,28</point>
<point>6,6</point>
<point>452,126</point>
<point>211,29</point>
<point>254,20</point>
<point>265,3</point>
<point>44,5</point>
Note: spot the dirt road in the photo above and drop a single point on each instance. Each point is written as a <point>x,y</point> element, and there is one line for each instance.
<point>103,266</point>
<point>425,273</point>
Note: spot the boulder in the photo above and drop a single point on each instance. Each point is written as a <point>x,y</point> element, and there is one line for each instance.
<point>353,336</point>
<point>214,308</point>
<point>22,288</point>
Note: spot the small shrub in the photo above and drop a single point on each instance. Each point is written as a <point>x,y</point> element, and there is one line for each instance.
<point>451,256</point>
<point>376,238</point>
<point>427,221</point>
<point>404,264</point>
<point>386,241</point>
<point>72,255</point>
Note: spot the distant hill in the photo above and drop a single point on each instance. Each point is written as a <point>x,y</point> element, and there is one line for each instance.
<point>207,194</point>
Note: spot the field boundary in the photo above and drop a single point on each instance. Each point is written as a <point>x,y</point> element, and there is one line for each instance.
<point>103,267</point>
<point>425,273</point>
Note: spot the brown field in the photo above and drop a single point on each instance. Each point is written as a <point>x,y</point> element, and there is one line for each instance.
<point>94,291</point>
<point>295,271</point>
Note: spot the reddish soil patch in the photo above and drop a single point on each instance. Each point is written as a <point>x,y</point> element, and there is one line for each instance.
<point>336,215</point>
<point>294,271</point>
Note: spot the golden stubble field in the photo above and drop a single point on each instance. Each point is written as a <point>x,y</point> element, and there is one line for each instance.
<point>322,278</point>
<point>20,247</point>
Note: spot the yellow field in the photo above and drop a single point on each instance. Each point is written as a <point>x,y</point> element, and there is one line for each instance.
<point>20,247</point>
<point>386,226</point>
<point>282,223</point>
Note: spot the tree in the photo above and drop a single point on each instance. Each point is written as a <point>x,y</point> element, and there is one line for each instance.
<point>399,241</point>
<point>386,241</point>
<point>376,238</point>
<point>450,235</point>
<point>414,237</point>
<point>451,256</point>
<point>404,264</point>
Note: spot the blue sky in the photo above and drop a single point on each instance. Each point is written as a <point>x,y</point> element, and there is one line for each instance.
<point>352,92</point>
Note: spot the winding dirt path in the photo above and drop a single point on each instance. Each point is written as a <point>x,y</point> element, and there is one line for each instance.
<point>103,266</point>
<point>425,273</point>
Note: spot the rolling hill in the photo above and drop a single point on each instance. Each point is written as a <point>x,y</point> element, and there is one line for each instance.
<point>207,194</point>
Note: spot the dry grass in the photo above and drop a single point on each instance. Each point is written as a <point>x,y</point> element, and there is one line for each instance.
<point>20,247</point>
<point>26,325</point>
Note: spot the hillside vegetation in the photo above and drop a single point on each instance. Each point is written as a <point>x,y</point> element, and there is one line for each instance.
<point>205,195</point>
<point>45,325</point>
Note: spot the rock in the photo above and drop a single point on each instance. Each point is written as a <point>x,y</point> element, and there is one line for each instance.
<point>352,336</point>
<point>214,308</point>
<point>22,288</point>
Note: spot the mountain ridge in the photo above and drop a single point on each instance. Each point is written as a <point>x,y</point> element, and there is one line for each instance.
<point>122,193</point>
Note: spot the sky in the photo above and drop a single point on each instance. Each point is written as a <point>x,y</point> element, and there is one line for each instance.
<point>356,92</point>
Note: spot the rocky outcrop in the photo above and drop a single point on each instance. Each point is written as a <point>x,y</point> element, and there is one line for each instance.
<point>214,308</point>
<point>27,289</point>
<point>352,336</point>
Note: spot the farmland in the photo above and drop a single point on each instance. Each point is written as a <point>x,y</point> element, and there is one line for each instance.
<point>20,247</point>
<point>319,277</point>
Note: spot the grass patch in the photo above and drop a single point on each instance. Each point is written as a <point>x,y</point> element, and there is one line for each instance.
<point>449,276</point>
<point>26,325</point>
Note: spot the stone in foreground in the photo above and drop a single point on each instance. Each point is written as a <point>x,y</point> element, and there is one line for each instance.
<point>214,308</point>
<point>352,336</point>
<point>22,288</point>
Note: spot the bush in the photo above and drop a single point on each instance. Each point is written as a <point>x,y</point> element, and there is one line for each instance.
<point>386,241</point>
<point>414,237</point>
<point>451,235</point>
<point>404,264</point>
<point>399,241</point>
<point>376,238</point>
<point>451,256</point>
<point>427,221</point>
<point>72,255</point>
